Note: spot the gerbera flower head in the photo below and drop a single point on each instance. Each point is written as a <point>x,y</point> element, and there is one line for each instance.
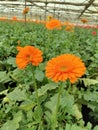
<point>28,54</point>
<point>69,28</point>
<point>26,10</point>
<point>94,33</point>
<point>65,66</point>
<point>53,24</point>
<point>14,18</point>
<point>83,20</point>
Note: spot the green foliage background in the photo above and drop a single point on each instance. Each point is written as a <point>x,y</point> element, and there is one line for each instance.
<point>18,105</point>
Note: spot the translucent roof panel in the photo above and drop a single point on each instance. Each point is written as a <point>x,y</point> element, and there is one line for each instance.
<point>62,9</point>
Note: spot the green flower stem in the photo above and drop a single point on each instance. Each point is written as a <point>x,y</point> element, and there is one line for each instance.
<point>35,87</point>
<point>57,107</point>
<point>69,86</point>
<point>38,102</point>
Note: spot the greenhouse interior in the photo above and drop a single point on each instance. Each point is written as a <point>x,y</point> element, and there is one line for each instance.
<point>48,64</point>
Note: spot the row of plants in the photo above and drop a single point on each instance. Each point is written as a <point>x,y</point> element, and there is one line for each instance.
<point>32,97</point>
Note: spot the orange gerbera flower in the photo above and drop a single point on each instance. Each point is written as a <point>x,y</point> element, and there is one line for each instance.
<point>14,18</point>
<point>53,24</point>
<point>84,20</point>
<point>63,67</point>
<point>69,28</point>
<point>26,10</point>
<point>28,54</point>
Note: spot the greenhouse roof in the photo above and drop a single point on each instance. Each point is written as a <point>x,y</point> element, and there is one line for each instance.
<point>62,9</point>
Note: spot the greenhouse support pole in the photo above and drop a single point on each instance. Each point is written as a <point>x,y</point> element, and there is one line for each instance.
<point>25,14</point>
<point>45,10</point>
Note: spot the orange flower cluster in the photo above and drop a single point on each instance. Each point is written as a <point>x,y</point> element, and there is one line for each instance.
<point>3,18</point>
<point>14,18</point>
<point>26,10</point>
<point>69,26</point>
<point>84,20</point>
<point>63,67</point>
<point>53,24</point>
<point>28,54</point>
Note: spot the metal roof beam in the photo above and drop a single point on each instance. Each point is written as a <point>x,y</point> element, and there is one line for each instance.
<point>86,7</point>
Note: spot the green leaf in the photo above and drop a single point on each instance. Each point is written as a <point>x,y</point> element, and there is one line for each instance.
<point>17,95</point>
<point>92,105</point>
<point>39,75</point>
<point>4,92</point>
<point>89,82</point>
<point>50,104</point>
<point>37,114</point>
<point>13,124</point>
<point>11,61</point>
<point>42,66</point>
<point>18,75</point>
<point>44,89</point>
<point>77,112</point>
<point>96,55</point>
<point>96,127</point>
<point>31,128</point>
<point>74,127</point>
<point>89,126</point>
<point>27,106</point>
<point>10,125</point>
<point>67,102</point>
<point>89,96</point>
<point>18,116</point>
<point>68,127</point>
<point>4,77</point>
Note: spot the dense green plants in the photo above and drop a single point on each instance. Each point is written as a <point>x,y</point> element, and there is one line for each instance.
<point>78,105</point>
